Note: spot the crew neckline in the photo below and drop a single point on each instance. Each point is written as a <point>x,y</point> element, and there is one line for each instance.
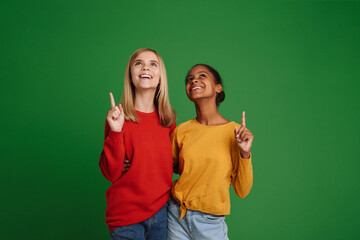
<point>221,125</point>
<point>139,113</point>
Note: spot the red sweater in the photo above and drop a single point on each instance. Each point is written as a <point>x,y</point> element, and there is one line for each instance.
<point>145,187</point>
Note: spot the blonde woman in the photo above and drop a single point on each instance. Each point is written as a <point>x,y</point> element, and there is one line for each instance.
<point>138,129</point>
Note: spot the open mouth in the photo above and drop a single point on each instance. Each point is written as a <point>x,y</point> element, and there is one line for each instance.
<point>196,88</point>
<point>146,76</point>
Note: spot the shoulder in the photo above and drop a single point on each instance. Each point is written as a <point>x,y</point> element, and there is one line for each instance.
<point>235,124</point>
<point>186,125</point>
<point>228,129</point>
<point>183,127</point>
<point>172,127</point>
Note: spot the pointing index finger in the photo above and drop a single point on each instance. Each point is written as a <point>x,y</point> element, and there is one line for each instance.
<point>112,100</point>
<point>243,119</point>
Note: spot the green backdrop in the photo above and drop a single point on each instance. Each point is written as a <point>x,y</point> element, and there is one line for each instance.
<point>293,66</point>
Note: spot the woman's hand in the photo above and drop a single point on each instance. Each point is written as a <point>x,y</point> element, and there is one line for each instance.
<point>244,138</point>
<point>115,117</point>
<point>127,165</point>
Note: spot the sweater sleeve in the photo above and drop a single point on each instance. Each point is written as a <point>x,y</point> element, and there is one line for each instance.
<point>112,157</point>
<point>242,175</point>
<point>175,151</point>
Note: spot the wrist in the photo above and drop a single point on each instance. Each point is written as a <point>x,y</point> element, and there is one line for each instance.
<point>116,130</point>
<point>245,155</point>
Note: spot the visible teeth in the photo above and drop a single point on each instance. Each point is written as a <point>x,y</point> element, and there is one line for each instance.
<point>145,76</point>
<point>196,88</point>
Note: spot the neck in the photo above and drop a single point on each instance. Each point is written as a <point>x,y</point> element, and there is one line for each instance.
<point>208,114</point>
<point>144,101</point>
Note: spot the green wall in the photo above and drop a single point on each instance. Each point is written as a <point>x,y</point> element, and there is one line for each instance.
<point>293,66</point>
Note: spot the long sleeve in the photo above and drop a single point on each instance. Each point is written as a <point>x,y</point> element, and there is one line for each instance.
<point>112,157</point>
<point>242,175</point>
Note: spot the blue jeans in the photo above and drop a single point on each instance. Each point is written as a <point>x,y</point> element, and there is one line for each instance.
<point>154,228</point>
<point>194,225</point>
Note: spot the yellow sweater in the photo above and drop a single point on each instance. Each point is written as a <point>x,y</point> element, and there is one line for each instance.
<point>208,160</point>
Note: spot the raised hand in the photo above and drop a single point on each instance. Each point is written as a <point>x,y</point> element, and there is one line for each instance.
<point>244,138</point>
<point>115,117</point>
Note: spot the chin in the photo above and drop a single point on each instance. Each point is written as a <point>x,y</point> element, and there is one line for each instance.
<point>148,87</point>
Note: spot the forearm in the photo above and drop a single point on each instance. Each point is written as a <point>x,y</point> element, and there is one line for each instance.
<point>243,178</point>
<point>112,157</point>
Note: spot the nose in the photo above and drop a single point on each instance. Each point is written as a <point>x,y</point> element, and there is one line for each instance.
<point>194,81</point>
<point>145,67</point>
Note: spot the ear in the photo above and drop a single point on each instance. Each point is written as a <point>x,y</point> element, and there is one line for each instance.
<point>218,88</point>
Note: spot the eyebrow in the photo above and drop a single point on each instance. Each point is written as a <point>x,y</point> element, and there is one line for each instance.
<point>197,73</point>
<point>140,60</point>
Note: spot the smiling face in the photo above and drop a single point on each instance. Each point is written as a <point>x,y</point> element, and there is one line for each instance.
<point>145,71</point>
<point>200,84</point>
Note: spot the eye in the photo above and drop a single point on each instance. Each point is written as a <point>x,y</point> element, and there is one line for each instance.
<point>202,75</point>
<point>189,79</point>
<point>153,64</point>
<point>137,63</point>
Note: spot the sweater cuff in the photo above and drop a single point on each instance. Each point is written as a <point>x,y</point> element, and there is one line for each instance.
<point>116,136</point>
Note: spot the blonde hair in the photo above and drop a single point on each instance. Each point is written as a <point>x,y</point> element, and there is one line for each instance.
<point>161,98</point>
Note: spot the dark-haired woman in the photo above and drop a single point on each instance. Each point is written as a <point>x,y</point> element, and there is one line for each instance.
<point>210,153</point>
